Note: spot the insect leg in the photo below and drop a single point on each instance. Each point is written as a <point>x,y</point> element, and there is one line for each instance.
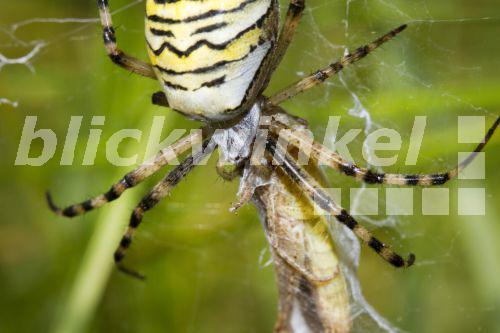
<point>119,57</point>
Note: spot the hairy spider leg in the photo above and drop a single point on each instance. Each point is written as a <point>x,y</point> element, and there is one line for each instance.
<point>160,191</point>
<point>335,161</point>
<point>292,20</point>
<point>116,55</point>
<point>321,198</point>
<point>133,178</point>
<point>322,75</point>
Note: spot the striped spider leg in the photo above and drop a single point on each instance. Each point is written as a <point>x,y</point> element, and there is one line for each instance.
<point>159,191</point>
<point>335,161</point>
<point>134,177</point>
<point>119,57</point>
<point>314,191</point>
<point>322,75</point>
<point>292,20</point>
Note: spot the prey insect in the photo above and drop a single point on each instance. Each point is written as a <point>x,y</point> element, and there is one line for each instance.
<point>214,59</point>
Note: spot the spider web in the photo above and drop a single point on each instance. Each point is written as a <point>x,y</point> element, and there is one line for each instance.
<point>358,92</point>
<point>328,29</point>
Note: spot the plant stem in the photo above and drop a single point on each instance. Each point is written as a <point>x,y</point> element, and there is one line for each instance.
<point>95,269</point>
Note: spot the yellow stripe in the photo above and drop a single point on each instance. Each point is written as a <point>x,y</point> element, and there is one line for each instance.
<point>204,56</point>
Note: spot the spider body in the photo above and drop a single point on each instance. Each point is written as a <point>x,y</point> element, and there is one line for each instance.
<point>211,56</point>
<point>214,58</point>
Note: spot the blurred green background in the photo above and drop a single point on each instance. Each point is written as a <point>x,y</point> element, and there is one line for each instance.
<point>205,266</point>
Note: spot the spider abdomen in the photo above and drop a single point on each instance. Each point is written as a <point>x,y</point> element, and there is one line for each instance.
<point>208,55</point>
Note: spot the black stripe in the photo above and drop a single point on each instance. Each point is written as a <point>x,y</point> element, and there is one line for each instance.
<point>440,179</point>
<point>209,28</point>
<point>346,219</point>
<point>189,50</point>
<point>135,220</point>
<point>397,261</point>
<point>118,256</point>
<point>375,244</point>
<point>112,194</point>
<point>348,169</point>
<point>210,13</point>
<point>160,32</point>
<point>204,42</point>
<point>296,8</point>
<point>214,83</point>
<point>162,2</point>
<point>206,69</point>
<point>148,202</point>
<point>129,181</point>
<point>412,179</point>
<point>174,86</point>
<point>336,67</point>
<point>117,58</point>
<point>108,35</point>
<point>87,205</point>
<point>126,241</point>
<point>321,76</point>
<point>70,211</point>
<point>373,177</point>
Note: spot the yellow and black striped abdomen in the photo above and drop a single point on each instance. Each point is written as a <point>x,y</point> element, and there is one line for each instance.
<point>208,54</point>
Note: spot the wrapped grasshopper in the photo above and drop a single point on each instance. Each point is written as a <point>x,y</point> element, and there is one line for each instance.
<point>313,295</point>
<point>311,284</point>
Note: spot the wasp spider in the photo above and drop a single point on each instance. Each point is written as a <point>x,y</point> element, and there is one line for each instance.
<point>214,59</point>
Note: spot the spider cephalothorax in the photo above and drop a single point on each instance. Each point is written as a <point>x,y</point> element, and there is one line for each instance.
<point>213,59</point>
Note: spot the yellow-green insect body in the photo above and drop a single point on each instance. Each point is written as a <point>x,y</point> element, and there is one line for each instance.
<point>209,54</point>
